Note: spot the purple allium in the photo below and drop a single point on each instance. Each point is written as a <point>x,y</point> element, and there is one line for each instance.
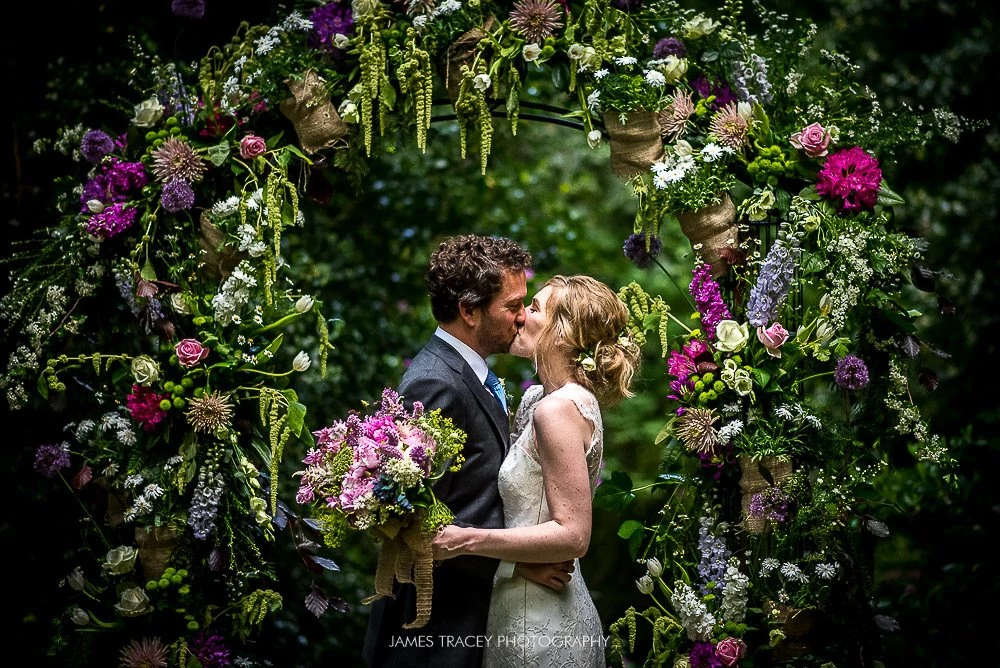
<point>721,90</point>
<point>708,300</point>
<point>669,46</point>
<point>177,196</point>
<point>210,650</point>
<point>51,459</point>
<point>331,19</point>
<point>635,249</point>
<point>112,221</point>
<point>851,373</point>
<point>851,176</point>
<point>189,9</point>
<point>95,145</point>
<point>703,655</point>
<point>114,182</point>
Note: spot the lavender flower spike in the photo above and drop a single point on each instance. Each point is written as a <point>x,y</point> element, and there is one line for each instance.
<point>775,278</point>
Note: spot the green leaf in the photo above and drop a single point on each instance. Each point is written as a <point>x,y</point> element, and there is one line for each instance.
<point>665,432</point>
<point>217,154</point>
<point>761,376</point>
<point>148,272</point>
<point>887,197</point>
<point>296,417</point>
<point>629,528</point>
<point>43,386</point>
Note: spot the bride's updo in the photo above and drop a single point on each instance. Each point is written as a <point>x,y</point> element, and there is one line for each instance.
<point>586,323</point>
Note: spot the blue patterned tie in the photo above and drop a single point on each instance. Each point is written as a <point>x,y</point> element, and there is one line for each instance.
<point>494,385</point>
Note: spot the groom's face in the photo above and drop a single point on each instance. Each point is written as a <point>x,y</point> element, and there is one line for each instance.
<point>502,317</point>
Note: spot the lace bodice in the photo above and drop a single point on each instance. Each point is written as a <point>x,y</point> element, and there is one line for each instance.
<point>531,625</point>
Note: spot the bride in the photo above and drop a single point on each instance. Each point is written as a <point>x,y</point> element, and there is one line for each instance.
<point>576,333</point>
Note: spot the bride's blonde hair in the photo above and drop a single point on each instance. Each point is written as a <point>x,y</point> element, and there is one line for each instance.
<point>586,322</point>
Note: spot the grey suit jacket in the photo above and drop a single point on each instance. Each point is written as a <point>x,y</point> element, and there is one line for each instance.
<point>440,378</point>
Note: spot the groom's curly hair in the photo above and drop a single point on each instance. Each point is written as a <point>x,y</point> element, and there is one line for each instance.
<point>469,269</point>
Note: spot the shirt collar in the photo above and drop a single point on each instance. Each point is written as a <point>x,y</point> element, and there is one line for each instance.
<point>473,359</point>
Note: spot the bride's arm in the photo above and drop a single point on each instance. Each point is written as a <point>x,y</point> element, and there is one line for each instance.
<point>562,436</point>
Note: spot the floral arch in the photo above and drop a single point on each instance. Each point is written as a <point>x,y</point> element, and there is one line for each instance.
<point>736,127</point>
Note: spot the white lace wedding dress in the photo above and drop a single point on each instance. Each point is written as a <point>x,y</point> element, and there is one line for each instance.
<point>532,625</point>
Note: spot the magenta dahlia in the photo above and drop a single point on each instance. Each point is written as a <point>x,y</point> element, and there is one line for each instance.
<point>852,177</point>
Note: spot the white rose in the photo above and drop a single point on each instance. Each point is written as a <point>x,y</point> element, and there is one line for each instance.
<point>133,603</point>
<point>148,112</point>
<point>576,51</point>
<point>145,370</point>
<point>731,336</point>
<point>699,26</point>
<point>120,560</point>
<point>364,7</point>
<point>673,68</point>
<point>179,304</point>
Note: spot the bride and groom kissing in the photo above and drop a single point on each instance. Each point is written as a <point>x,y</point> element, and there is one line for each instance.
<point>507,588</point>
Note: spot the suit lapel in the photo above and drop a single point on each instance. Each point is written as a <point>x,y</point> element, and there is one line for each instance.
<point>498,417</point>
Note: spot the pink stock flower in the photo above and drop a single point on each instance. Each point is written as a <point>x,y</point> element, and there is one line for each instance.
<point>190,352</point>
<point>730,650</point>
<point>813,139</point>
<point>251,146</point>
<point>772,338</point>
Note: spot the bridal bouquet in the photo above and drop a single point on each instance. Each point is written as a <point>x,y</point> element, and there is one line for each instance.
<point>375,474</point>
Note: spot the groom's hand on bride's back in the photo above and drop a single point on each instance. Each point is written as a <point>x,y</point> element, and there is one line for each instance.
<point>554,576</point>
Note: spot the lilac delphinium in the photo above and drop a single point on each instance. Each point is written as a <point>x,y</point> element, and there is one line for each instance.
<point>708,300</point>
<point>330,20</point>
<point>851,373</point>
<point>636,251</point>
<point>774,280</point>
<point>714,556</point>
<point>95,145</point>
<point>177,196</point>
<point>189,9</point>
<point>51,459</point>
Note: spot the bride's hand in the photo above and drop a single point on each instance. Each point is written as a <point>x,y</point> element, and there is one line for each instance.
<point>447,542</point>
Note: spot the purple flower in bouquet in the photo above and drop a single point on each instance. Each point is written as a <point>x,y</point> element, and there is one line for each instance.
<point>51,459</point>
<point>636,251</point>
<point>330,20</point>
<point>669,46</point>
<point>721,90</point>
<point>683,364</point>
<point>144,406</point>
<point>95,145</point>
<point>852,177</point>
<point>708,300</point>
<point>111,221</point>
<point>770,504</point>
<point>114,182</point>
<point>210,649</point>
<point>177,196</point>
<point>775,278</point>
<point>851,373</point>
<point>702,655</point>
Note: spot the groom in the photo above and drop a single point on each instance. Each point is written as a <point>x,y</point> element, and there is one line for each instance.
<point>477,286</point>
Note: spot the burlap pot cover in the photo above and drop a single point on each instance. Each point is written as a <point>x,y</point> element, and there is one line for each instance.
<point>310,110</point>
<point>714,227</point>
<point>636,145</point>
<point>753,481</point>
<point>156,546</point>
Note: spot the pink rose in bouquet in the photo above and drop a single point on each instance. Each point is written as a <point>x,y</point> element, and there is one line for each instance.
<point>190,352</point>
<point>813,140</point>
<point>730,650</point>
<point>772,338</point>
<point>251,146</point>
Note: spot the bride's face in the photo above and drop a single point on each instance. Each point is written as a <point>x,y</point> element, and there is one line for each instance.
<point>526,341</point>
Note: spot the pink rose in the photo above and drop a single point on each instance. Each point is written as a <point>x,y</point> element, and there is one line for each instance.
<point>813,139</point>
<point>251,146</point>
<point>773,338</point>
<point>730,650</point>
<point>190,352</point>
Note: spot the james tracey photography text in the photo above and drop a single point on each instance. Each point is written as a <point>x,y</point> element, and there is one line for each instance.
<point>511,640</point>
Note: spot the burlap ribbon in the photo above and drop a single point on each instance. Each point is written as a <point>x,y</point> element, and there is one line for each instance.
<point>156,546</point>
<point>310,110</point>
<point>217,258</point>
<point>406,556</point>
<point>635,145</point>
<point>714,227</point>
<point>754,476</point>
